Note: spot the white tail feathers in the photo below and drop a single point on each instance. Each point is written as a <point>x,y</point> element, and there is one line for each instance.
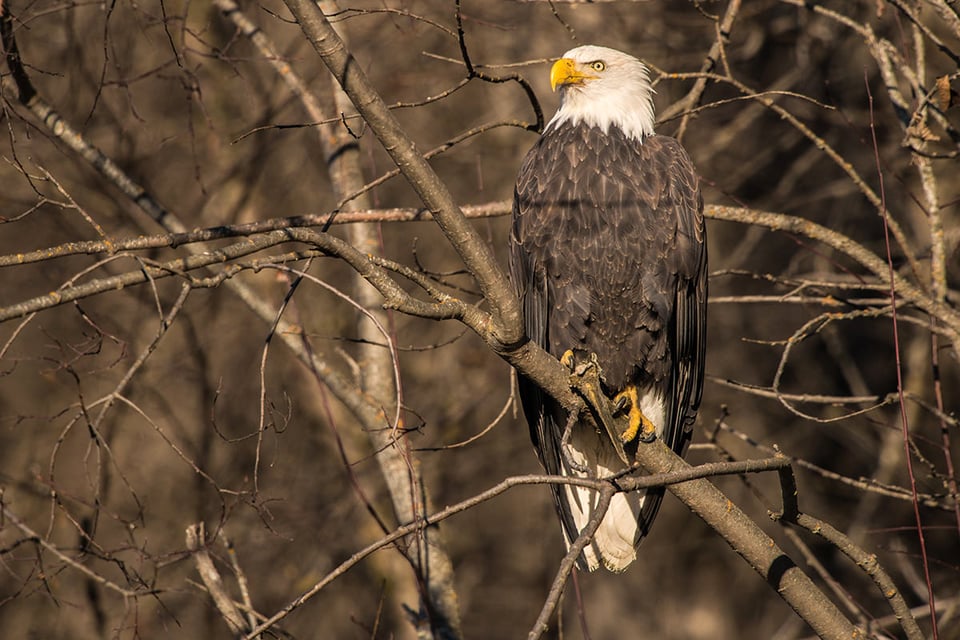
<point>615,542</point>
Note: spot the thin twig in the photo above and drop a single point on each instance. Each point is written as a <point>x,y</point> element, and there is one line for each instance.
<point>10,516</point>
<point>569,562</point>
<point>657,480</point>
<point>899,371</point>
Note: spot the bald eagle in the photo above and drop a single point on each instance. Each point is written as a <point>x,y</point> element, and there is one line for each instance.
<point>608,257</point>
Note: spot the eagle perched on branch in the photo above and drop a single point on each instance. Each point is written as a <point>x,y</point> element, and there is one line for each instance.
<point>608,256</point>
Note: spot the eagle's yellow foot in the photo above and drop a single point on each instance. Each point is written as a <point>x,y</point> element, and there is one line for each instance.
<point>587,369</point>
<point>585,380</point>
<point>638,425</point>
<point>584,376</point>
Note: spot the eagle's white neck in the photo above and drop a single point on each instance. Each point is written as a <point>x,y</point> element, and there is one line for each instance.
<point>627,106</point>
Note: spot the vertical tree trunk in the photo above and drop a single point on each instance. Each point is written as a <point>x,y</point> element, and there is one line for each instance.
<point>439,614</point>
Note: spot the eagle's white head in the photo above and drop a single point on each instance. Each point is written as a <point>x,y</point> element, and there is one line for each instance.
<point>603,87</point>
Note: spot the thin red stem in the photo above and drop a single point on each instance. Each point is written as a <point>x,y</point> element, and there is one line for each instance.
<point>896,347</point>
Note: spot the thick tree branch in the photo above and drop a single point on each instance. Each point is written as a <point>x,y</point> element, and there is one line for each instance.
<point>507,328</point>
<point>867,562</point>
<point>753,545</point>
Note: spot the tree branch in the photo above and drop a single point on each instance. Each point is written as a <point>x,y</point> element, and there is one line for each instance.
<point>212,580</point>
<point>752,544</point>
<point>507,327</point>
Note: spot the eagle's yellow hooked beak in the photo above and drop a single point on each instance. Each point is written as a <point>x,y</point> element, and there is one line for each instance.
<point>567,71</point>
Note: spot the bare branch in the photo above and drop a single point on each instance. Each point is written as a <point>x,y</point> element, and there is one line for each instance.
<point>867,562</point>
<point>212,580</point>
<point>682,473</point>
<point>435,195</point>
<point>569,562</point>
<point>753,545</point>
<point>63,557</point>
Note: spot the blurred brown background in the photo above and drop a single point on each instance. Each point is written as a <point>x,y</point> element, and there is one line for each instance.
<point>189,108</point>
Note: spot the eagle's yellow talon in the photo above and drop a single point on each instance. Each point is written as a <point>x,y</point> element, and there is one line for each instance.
<point>568,359</point>
<point>632,430</point>
<point>639,424</point>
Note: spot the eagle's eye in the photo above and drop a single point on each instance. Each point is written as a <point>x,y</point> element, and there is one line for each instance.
<point>598,65</point>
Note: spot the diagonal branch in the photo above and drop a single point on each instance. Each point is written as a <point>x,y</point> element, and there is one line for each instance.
<point>644,482</point>
<point>866,561</point>
<point>753,545</point>
<point>476,255</point>
<point>847,246</point>
<point>570,560</point>
<point>213,581</point>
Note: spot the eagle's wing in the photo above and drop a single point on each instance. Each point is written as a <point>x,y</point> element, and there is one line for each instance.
<point>686,263</point>
<point>545,420</point>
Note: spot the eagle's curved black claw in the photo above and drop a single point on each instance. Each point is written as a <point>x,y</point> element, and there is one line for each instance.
<point>647,437</point>
<point>620,405</point>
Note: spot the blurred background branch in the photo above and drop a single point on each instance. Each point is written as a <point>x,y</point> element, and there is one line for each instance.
<point>153,153</point>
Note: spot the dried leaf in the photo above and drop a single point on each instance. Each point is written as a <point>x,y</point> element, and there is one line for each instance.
<point>946,96</point>
<point>922,132</point>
